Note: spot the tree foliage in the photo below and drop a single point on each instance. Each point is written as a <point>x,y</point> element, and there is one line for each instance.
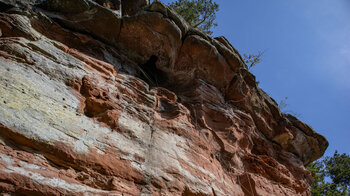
<point>332,176</point>
<point>200,14</point>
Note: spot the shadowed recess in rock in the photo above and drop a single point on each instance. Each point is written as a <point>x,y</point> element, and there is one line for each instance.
<point>151,74</point>
<point>4,7</point>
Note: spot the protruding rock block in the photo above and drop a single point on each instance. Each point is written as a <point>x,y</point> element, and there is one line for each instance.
<point>132,7</point>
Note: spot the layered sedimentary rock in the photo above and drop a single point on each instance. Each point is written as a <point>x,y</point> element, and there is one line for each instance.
<point>97,102</point>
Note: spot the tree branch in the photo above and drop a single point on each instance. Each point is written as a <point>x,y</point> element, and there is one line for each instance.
<point>203,20</point>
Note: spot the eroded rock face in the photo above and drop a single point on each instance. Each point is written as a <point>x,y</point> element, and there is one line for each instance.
<point>95,103</point>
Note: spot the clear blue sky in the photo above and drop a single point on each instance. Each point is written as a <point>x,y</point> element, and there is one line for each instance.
<point>307,57</point>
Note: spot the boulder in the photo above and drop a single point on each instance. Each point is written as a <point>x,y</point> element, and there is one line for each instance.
<point>132,7</point>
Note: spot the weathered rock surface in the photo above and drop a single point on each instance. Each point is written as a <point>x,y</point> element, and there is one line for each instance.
<point>96,103</point>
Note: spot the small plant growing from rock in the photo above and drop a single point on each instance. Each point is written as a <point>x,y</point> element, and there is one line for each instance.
<point>252,59</point>
<point>283,104</point>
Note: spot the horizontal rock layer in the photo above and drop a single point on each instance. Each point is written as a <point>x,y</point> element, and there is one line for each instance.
<point>112,98</point>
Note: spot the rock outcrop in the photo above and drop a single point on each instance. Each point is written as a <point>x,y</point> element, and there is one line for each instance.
<point>124,98</point>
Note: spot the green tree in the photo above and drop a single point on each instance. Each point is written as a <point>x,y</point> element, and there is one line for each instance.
<point>199,14</point>
<point>337,170</point>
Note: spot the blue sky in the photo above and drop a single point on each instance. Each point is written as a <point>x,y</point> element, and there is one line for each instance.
<point>307,57</point>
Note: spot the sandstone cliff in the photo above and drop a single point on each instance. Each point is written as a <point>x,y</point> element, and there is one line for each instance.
<point>124,98</point>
